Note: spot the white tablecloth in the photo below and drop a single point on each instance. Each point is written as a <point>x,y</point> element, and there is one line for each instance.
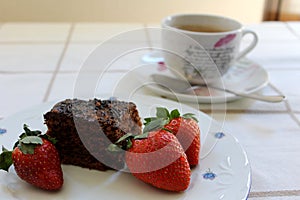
<point>39,62</point>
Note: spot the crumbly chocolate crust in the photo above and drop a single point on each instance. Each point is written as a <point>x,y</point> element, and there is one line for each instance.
<point>84,129</point>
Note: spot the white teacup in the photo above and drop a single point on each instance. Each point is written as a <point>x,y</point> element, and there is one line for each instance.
<point>202,47</point>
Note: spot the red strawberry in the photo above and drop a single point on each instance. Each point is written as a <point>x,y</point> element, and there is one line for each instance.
<point>159,160</point>
<point>185,128</point>
<point>35,159</point>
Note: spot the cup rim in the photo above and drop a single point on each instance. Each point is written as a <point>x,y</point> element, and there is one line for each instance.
<point>165,25</point>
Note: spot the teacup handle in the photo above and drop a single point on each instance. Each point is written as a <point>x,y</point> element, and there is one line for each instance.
<point>251,46</point>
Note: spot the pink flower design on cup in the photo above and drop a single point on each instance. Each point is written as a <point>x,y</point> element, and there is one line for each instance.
<point>161,66</point>
<point>225,40</point>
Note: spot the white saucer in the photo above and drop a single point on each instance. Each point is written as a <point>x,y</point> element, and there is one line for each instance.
<point>244,76</point>
<point>223,173</point>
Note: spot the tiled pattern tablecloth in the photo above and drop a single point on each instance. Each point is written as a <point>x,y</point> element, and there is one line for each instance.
<point>39,62</point>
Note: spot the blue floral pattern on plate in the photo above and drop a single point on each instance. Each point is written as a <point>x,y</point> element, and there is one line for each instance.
<point>2,131</point>
<point>209,175</point>
<point>219,135</point>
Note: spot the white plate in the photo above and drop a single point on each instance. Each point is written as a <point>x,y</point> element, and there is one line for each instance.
<point>244,76</point>
<point>223,173</point>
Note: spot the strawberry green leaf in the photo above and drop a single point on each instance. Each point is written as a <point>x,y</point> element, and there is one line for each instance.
<point>154,125</point>
<point>174,114</point>
<point>27,144</point>
<point>125,137</point>
<point>29,139</point>
<point>148,120</point>
<point>26,148</point>
<point>32,140</point>
<point>128,144</point>
<point>141,136</point>
<point>123,143</point>
<point>5,159</point>
<point>16,144</point>
<point>29,132</point>
<point>190,116</point>
<point>162,113</point>
<point>167,130</point>
<point>22,136</point>
<point>114,148</point>
<point>49,138</point>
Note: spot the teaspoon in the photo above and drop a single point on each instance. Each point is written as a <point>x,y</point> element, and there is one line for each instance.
<point>181,86</point>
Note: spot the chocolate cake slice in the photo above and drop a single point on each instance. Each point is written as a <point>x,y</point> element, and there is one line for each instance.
<point>84,129</point>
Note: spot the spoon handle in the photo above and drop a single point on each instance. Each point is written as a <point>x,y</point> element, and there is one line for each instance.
<point>182,86</point>
<point>271,98</point>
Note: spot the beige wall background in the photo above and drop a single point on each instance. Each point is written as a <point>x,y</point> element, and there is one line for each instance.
<point>145,11</point>
<point>290,10</point>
